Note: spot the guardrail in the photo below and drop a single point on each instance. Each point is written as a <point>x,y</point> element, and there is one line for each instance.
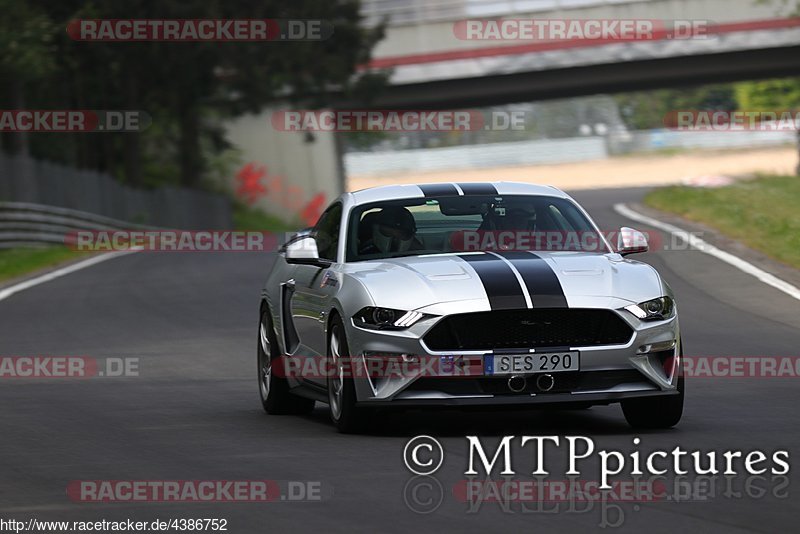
<point>27,224</point>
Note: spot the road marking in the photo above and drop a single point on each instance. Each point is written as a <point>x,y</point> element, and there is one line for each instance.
<point>703,246</point>
<point>27,284</point>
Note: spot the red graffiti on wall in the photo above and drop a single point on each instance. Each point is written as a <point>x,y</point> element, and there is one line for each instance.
<point>251,188</point>
<point>313,209</point>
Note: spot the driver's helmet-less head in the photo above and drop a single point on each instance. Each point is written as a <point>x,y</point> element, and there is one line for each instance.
<point>394,229</point>
<point>516,219</point>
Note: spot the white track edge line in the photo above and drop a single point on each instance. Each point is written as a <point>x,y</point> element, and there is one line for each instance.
<point>704,246</point>
<point>58,273</point>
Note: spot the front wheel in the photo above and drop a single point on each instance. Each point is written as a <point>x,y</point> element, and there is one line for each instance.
<point>274,389</point>
<point>347,417</point>
<point>657,412</point>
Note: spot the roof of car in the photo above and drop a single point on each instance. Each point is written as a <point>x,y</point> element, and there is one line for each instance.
<point>394,192</point>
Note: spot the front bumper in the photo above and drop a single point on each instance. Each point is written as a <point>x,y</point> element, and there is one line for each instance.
<point>607,374</point>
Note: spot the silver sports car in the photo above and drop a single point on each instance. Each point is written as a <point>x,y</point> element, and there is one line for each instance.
<point>466,294</point>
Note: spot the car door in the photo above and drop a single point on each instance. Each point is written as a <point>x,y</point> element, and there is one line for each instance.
<point>313,290</point>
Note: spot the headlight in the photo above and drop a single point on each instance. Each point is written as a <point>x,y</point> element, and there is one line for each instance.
<point>386,318</point>
<point>653,310</point>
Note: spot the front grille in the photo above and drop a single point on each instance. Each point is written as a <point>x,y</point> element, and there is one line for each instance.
<point>528,329</point>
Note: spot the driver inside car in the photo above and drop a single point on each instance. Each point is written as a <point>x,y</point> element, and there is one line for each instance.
<point>393,230</point>
<point>510,219</point>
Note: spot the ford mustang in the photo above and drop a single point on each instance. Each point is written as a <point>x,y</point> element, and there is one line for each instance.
<point>471,294</point>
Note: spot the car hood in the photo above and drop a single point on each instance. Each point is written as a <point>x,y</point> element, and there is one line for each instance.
<point>584,278</point>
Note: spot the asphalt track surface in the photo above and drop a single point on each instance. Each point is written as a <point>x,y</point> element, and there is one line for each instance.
<point>193,413</point>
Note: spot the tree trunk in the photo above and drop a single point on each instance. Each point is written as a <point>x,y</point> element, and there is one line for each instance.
<point>20,144</point>
<point>797,171</point>
<point>131,148</point>
<point>189,145</point>
<point>132,156</point>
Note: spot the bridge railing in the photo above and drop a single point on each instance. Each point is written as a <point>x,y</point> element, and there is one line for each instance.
<point>400,12</point>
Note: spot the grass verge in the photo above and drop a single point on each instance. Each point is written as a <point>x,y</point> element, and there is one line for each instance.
<point>763,213</point>
<point>16,262</point>
<point>247,218</point>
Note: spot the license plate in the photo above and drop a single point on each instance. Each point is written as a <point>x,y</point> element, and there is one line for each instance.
<point>526,364</point>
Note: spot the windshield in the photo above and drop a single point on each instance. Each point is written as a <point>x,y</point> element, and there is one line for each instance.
<point>471,223</point>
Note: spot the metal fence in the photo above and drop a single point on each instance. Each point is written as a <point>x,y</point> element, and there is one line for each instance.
<point>653,140</point>
<point>549,151</point>
<point>537,152</point>
<point>37,182</point>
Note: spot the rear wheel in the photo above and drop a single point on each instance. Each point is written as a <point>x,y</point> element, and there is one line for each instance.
<point>276,398</point>
<point>347,417</point>
<point>657,412</point>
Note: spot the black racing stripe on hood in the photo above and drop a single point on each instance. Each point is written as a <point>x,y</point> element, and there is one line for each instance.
<point>439,190</point>
<point>478,189</point>
<point>501,284</point>
<point>540,279</point>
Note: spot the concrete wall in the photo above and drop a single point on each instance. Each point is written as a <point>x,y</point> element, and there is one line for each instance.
<point>291,175</point>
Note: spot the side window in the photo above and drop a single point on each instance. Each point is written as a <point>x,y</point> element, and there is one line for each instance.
<point>326,232</point>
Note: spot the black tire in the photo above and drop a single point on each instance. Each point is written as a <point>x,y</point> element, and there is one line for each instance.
<point>347,417</point>
<point>276,397</point>
<point>657,412</point>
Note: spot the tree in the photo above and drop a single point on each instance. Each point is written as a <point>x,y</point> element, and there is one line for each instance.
<point>771,95</point>
<point>647,110</point>
<point>26,54</point>
<point>188,88</point>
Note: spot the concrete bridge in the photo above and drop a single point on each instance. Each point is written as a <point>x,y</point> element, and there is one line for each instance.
<point>433,65</point>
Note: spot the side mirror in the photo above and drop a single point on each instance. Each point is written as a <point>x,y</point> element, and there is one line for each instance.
<point>303,251</point>
<point>631,241</point>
